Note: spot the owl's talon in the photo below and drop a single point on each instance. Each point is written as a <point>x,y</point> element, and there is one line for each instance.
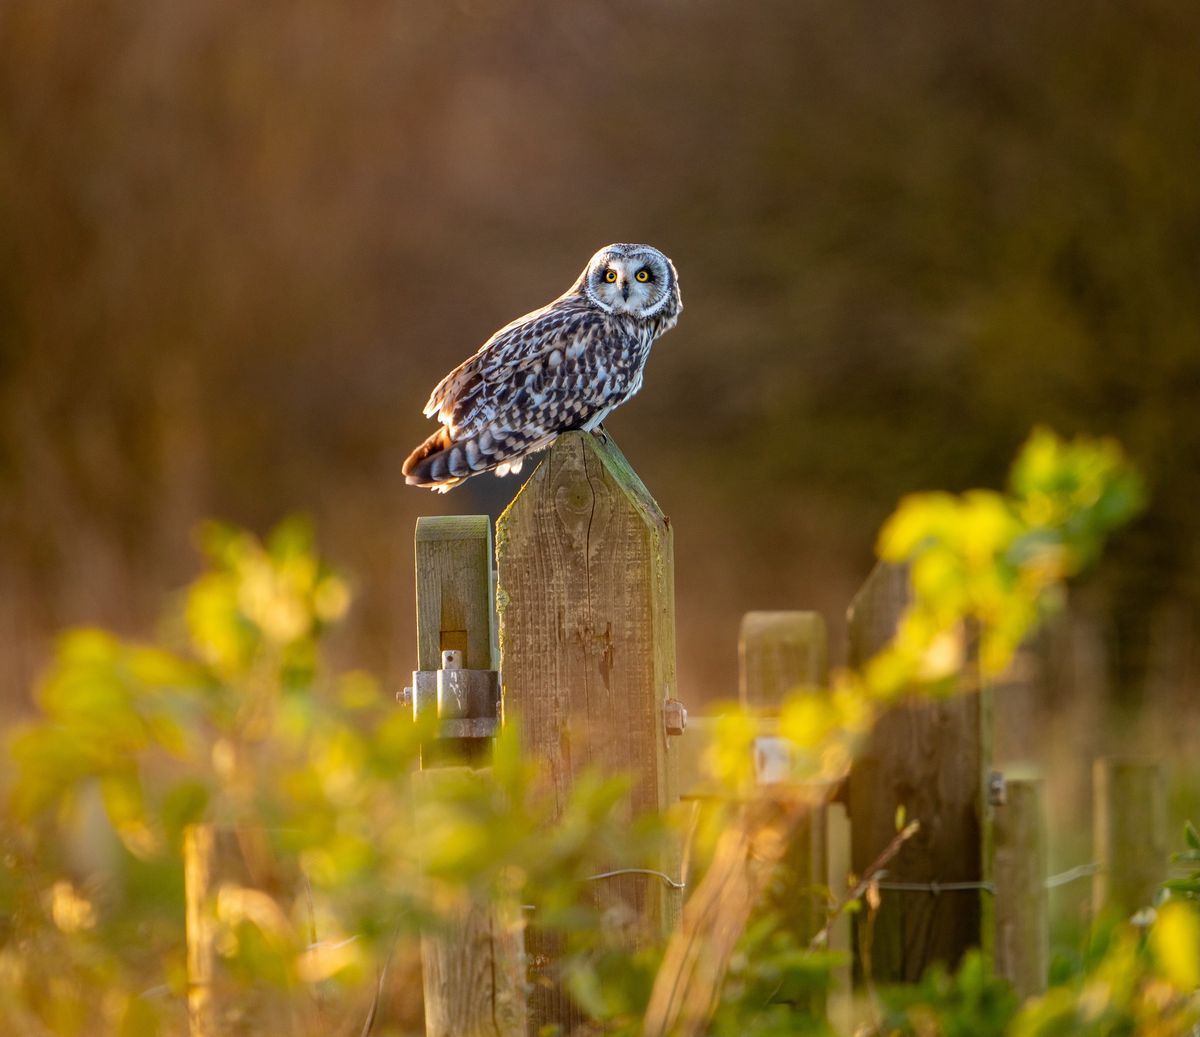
<point>601,434</point>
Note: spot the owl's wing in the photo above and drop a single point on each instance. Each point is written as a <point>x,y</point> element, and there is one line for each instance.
<point>546,372</point>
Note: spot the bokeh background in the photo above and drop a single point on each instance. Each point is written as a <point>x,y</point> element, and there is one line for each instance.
<point>240,242</point>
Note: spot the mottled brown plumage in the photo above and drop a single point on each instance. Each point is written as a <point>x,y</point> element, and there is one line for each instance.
<point>565,366</point>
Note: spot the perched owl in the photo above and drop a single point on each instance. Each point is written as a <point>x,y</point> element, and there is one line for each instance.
<point>563,367</point>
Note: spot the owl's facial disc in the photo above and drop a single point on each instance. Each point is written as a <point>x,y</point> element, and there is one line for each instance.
<point>632,283</point>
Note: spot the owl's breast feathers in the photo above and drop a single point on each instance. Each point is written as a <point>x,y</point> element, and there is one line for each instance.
<point>561,367</point>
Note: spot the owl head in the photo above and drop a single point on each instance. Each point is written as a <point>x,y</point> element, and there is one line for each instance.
<point>632,279</point>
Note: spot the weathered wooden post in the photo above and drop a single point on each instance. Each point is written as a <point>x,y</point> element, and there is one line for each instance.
<point>1130,826</point>
<point>1019,871</point>
<point>473,966</point>
<point>931,759</point>
<point>781,653</point>
<point>585,591</point>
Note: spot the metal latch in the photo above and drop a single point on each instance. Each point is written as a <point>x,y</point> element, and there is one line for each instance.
<point>466,702</point>
<point>774,760</point>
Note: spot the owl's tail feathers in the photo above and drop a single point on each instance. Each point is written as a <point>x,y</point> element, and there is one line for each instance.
<point>440,463</point>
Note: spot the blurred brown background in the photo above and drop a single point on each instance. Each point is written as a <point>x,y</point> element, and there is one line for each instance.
<point>240,242</point>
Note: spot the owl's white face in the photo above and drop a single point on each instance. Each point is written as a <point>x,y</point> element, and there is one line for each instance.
<point>632,279</point>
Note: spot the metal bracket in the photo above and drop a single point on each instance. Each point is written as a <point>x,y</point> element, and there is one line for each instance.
<point>675,716</point>
<point>466,702</point>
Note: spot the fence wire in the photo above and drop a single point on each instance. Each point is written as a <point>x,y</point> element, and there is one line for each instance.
<point>1080,871</point>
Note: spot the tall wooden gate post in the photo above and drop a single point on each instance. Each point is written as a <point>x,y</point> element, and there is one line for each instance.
<point>473,967</point>
<point>585,590</point>
<point>931,759</point>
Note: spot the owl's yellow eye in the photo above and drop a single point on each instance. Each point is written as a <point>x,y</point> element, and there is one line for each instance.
<point>610,276</point>
<point>643,275</point>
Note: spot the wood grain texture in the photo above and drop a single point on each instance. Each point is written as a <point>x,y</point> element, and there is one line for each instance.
<point>929,758</point>
<point>1019,871</point>
<point>779,652</point>
<point>454,594</point>
<point>1130,825</point>
<point>585,593</point>
<point>473,966</point>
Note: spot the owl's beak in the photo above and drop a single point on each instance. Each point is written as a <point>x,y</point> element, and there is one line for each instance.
<point>625,288</point>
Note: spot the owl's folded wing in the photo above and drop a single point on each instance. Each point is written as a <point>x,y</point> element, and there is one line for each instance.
<point>546,372</point>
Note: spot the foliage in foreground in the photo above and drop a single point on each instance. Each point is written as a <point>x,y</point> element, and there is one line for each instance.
<point>233,718</point>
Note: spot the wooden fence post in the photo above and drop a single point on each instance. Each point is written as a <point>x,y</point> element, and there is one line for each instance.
<point>473,966</point>
<point>1019,870</point>
<point>585,590</point>
<point>772,849</point>
<point>455,611</point>
<point>931,759</point>
<point>1130,826</point>
<point>781,653</point>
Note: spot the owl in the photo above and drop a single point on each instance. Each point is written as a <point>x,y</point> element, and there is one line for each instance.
<point>565,366</point>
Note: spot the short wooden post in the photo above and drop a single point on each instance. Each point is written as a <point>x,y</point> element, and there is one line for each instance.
<point>473,966</point>
<point>585,590</point>
<point>1019,873</point>
<point>197,882</point>
<point>930,759</point>
<point>781,653</point>
<point>454,601</point>
<point>772,852</point>
<point>455,608</point>
<point>1130,825</point>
